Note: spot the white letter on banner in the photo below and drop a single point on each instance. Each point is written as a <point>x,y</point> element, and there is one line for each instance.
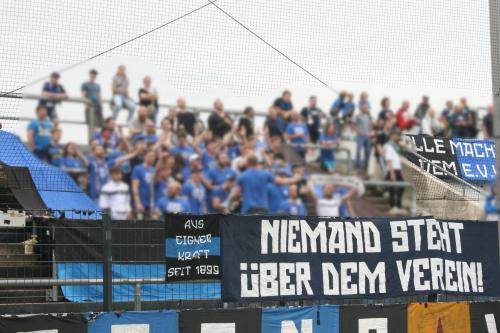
<point>404,275</point>
<point>269,279</point>
<point>218,328</point>
<point>379,325</point>
<point>399,230</point>
<point>130,328</point>
<point>491,325</point>
<point>288,326</point>
<point>416,224</point>
<point>370,229</point>
<point>287,288</point>
<point>273,230</point>
<point>456,227</point>
<point>433,242</point>
<point>330,278</point>
<point>42,331</point>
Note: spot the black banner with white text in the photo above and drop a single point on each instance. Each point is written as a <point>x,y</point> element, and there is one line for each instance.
<point>287,258</point>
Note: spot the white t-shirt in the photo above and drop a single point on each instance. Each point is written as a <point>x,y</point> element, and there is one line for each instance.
<point>329,207</point>
<point>390,154</point>
<point>115,197</point>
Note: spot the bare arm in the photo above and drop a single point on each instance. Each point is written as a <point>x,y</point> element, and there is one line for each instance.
<point>31,139</point>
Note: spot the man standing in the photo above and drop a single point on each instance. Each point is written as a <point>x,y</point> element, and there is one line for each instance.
<point>115,196</point>
<point>148,97</point>
<point>173,202</point>
<point>40,133</point>
<point>394,174</point>
<point>186,119</point>
<point>219,122</point>
<point>312,115</point>
<point>121,97</point>
<point>296,133</point>
<point>98,171</point>
<point>91,90</point>
<point>252,184</point>
<point>52,94</point>
<point>196,193</point>
<point>363,128</point>
<point>142,185</point>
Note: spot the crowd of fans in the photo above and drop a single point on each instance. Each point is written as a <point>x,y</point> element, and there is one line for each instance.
<point>226,164</point>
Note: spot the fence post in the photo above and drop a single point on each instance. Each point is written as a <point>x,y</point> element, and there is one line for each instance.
<point>107,260</point>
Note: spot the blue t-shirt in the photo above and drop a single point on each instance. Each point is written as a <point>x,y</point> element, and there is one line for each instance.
<point>217,192</point>
<point>151,139</point>
<point>288,207</point>
<point>253,183</point>
<point>343,209</point>
<point>125,166</point>
<point>47,87</point>
<point>218,176</point>
<point>71,163</point>
<point>327,154</point>
<point>98,176</point>
<point>55,152</point>
<point>196,195</point>
<point>42,133</point>
<point>145,176</point>
<point>337,106</point>
<point>275,197</point>
<point>348,108</point>
<point>173,205</point>
<point>208,161</point>
<point>185,152</point>
<point>295,129</point>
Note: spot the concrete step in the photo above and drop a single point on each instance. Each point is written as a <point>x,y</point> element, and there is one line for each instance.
<point>11,248</point>
<point>19,260</point>
<point>17,272</point>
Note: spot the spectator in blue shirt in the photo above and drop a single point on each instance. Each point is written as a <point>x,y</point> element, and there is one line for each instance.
<point>458,123</point>
<point>284,104</point>
<point>55,149</point>
<point>74,163</point>
<point>173,202</point>
<point>52,94</point>
<point>252,184</point>
<point>363,100</point>
<point>216,176</point>
<point>219,197</point>
<point>91,90</point>
<point>349,106</point>
<point>98,171</point>
<point>195,192</point>
<point>40,133</point>
<point>208,157</point>
<point>142,184</point>
<point>490,205</point>
<point>150,133</point>
<point>327,156</point>
<point>182,148</point>
<point>297,133</point>
<point>293,205</point>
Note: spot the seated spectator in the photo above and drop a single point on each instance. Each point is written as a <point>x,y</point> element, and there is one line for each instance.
<point>138,125</point>
<point>55,149</point>
<point>121,97</point>
<point>329,204</point>
<point>97,170</point>
<point>115,196</point>
<point>186,119</point>
<point>52,94</point>
<point>219,122</point>
<point>312,115</point>
<point>173,202</point>
<point>251,184</point>
<point>394,171</point>
<point>404,118</point>
<point>91,90</point>
<point>40,133</point>
<point>219,198</point>
<point>142,185</point>
<point>195,192</point>
<point>329,140</point>
<point>293,205</point>
<point>148,97</point>
<point>297,134</point>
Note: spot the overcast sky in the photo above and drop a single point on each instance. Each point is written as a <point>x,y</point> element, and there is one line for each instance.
<point>402,49</point>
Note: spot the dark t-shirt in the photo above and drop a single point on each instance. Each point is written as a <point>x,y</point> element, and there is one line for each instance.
<point>312,117</point>
<point>217,125</point>
<point>187,120</point>
<point>245,122</point>
<point>146,102</point>
<point>488,124</point>
<point>280,103</point>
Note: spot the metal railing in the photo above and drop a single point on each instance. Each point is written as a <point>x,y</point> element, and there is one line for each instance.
<point>335,150</point>
<point>397,184</point>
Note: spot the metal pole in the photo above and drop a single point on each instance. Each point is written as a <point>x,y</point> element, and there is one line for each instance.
<point>137,297</point>
<point>107,259</point>
<point>495,76</point>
